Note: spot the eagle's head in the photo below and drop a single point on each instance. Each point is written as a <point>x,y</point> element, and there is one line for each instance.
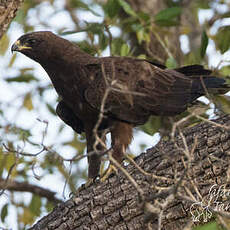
<point>35,45</point>
<point>46,47</point>
<point>41,46</point>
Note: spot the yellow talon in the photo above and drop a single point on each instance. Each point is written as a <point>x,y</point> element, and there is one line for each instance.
<point>110,170</point>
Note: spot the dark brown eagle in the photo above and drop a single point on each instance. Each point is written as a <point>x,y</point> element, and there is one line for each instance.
<point>126,91</point>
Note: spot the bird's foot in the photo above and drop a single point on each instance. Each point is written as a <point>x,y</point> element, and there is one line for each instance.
<point>109,171</point>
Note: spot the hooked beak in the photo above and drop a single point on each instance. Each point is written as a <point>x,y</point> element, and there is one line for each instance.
<point>17,46</point>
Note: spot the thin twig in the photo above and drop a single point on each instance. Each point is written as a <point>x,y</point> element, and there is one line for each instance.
<point>144,172</point>
<point>212,122</point>
<point>110,38</point>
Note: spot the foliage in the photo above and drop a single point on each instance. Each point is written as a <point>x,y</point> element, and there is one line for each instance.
<point>96,26</point>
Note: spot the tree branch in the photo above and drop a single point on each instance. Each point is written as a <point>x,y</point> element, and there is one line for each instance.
<point>175,186</point>
<point>26,187</point>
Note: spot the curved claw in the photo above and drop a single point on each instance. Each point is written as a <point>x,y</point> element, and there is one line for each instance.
<point>109,171</point>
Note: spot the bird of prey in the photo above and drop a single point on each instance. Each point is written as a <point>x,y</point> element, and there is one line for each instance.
<point>112,93</point>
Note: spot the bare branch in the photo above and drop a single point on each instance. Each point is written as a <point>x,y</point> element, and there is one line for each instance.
<point>12,185</point>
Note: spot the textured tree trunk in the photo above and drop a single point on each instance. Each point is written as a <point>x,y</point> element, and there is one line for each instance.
<point>180,173</point>
<point>8,9</point>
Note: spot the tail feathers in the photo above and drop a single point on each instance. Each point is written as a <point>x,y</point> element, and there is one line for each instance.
<point>214,82</point>
<point>210,84</point>
<point>193,70</point>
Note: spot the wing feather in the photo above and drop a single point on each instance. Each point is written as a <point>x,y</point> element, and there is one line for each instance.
<point>137,89</point>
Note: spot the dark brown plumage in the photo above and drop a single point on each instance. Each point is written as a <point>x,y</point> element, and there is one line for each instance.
<point>136,89</point>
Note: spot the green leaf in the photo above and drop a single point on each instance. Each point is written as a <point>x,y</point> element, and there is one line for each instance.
<point>222,39</point>
<point>136,26</point>
<point>22,78</point>
<point>27,103</point>
<point>145,17</point>
<point>10,160</point>
<point>12,60</point>
<point>20,16</point>
<point>3,158</point>
<point>35,205</point>
<point>204,44</point>
<point>223,102</point>
<point>153,125</point>
<point>23,134</point>
<point>203,4</point>
<point>125,50</point>
<point>51,109</point>
<point>168,14</point>
<point>140,35</point>
<point>95,28</point>
<point>111,8</point>
<point>225,70</point>
<point>85,46</point>
<point>142,56</point>
<point>116,46</point>
<point>171,63</point>
<point>24,70</point>
<point>192,57</point>
<point>4,212</point>
<point>103,41</point>
<point>27,217</point>
<point>127,8</point>
<point>168,17</point>
<point>22,12</point>
<point>49,206</point>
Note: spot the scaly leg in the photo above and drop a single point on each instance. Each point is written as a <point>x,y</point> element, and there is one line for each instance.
<point>94,158</point>
<point>121,135</point>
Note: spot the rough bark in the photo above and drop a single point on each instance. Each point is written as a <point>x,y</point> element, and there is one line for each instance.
<point>8,9</point>
<point>116,203</point>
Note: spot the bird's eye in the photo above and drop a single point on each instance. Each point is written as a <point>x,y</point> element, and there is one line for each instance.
<point>32,41</point>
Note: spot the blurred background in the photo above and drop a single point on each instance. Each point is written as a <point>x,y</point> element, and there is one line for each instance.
<point>36,147</point>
